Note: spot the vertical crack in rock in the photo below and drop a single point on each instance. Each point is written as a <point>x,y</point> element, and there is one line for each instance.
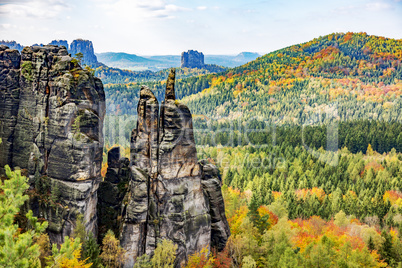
<point>211,183</point>
<point>47,111</point>
<point>138,227</point>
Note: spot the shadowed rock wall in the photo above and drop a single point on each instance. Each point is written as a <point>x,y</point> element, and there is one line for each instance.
<point>51,119</point>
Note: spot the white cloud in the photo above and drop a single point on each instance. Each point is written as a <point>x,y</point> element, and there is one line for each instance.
<point>202,8</point>
<point>5,26</point>
<point>42,9</point>
<point>377,6</point>
<point>147,9</point>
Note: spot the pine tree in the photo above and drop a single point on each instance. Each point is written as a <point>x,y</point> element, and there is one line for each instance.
<point>252,210</point>
<point>91,251</point>
<point>370,244</point>
<point>17,249</point>
<point>386,250</point>
<point>79,230</point>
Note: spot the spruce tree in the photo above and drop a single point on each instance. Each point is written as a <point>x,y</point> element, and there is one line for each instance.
<point>17,249</point>
<point>91,251</point>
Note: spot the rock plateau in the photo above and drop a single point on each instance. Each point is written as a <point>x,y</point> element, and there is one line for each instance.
<point>192,59</point>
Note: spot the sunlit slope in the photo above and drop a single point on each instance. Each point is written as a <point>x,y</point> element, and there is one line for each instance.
<point>354,74</point>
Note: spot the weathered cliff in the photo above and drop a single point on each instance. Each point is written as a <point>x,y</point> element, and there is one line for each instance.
<point>59,43</point>
<point>192,59</point>
<point>86,48</point>
<point>51,125</point>
<point>169,194</point>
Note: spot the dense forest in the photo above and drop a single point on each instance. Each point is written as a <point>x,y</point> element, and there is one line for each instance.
<point>117,76</point>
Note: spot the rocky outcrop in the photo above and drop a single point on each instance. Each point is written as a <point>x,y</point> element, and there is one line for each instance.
<point>182,206</point>
<point>169,194</point>
<point>51,125</point>
<point>60,43</point>
<point>192,59</point>
<point>10,60</point>
<point>211,183</point>
<point>111,193</point>
<point>86,48</point>
<point>12,45</point>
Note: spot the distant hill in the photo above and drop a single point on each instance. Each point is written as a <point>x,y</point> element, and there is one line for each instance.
<point>231,61</point>
<point>359,75</point>
<point>155,63</point>
<point>127,61</point>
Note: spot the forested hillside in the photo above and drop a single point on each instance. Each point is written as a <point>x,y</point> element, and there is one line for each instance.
<point>118,76</point>
<point>360,74</point>
<point>308,141</point>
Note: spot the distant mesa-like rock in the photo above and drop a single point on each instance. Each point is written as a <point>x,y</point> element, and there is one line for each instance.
<point>63,43</point>
<point>192,59</point>
<point>12,45</point>
<point>169,195</point>
<point>51,120</point>
<point>86,48</point>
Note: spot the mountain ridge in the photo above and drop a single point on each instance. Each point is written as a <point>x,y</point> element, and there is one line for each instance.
<point>158,62</point>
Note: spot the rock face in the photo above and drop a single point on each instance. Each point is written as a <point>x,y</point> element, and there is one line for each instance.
<point>86,48</point>
<point>192,59</point>
<point>12,45</point>
<point>59,43</point>
<point>211,184</point>
<point>51,123</point>
<point>169,194</point>
<point>111,192</point>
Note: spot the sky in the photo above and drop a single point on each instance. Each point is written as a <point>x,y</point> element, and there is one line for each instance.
<point>163,27</point>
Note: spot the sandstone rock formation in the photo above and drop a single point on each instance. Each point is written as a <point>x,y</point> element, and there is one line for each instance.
<point>192,59</point>
<point>211,184</point>
<point>59,43</point>
<point>169,194</point>
<point>12,45</point>
<point>112,191</point>
<point>51,123</point>
<point>86,48</point>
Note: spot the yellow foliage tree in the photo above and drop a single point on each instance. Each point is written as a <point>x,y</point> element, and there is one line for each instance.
<point>164,254</point>
<point>74,262</point>
<point>370,150</point>
<point>112,254</point>
<point>200,259</point>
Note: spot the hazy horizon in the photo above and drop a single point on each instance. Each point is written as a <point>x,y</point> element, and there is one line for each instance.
<point>168,27</point>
